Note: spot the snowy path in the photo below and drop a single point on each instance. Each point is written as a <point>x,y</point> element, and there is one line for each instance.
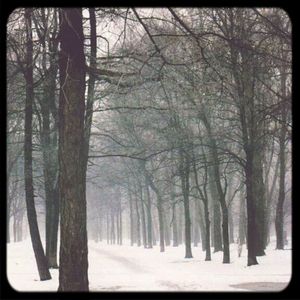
<point>126,268</point>
<point>129,264</point>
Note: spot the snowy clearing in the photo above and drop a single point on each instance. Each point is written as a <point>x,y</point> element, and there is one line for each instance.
<point>126,268</point>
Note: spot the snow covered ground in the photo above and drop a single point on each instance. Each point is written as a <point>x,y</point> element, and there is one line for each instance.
<point>126,268</point>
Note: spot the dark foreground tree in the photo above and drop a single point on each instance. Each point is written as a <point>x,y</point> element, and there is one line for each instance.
<point>73,260</point>
<point>29,194</point>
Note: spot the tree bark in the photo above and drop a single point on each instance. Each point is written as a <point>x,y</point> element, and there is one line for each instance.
<point>279,219</point>
<point>138,222</point>
<point>185,184</point>
<point>231,226</point>
<point>242,221</point>
<point>73,260</point>
<point>144,233</point>
<point>251,213</point>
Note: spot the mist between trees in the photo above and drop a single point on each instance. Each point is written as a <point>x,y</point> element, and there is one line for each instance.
<point>164,126</point>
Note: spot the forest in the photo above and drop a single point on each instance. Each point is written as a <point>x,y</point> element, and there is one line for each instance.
<point>156,128</point>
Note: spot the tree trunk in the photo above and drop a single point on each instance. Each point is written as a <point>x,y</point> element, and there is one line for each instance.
<point>161,224</point>
<point>29,192</point>
<point>216,230</point>
<point>159,212</point>
<point>220,192</point>
<point>149,217</point>
<point>131,218</point>
<point>269,200</point>
<point>260,200</point>
<point>143,218</point>
<point>174,226</point>
<point>242,221</point>
<point>138,223</point>
<point>73,260</point>
<point>184,175</point>
<point>231,226</point>
<point>251,215</point>
<point>167,228</point>
<point>279,219</point>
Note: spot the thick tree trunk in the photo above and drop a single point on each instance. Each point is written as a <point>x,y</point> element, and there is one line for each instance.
<point>73,260</point>
<point>29,192</point>
<point>217,227</point>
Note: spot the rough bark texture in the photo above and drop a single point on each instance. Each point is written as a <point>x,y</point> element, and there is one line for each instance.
<point>29,193</point>
<point>73,275</point>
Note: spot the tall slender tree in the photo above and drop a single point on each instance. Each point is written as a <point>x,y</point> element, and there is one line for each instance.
<point>29,191</point>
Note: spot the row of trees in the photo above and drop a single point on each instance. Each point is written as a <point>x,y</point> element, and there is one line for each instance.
<point>184,122</point>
